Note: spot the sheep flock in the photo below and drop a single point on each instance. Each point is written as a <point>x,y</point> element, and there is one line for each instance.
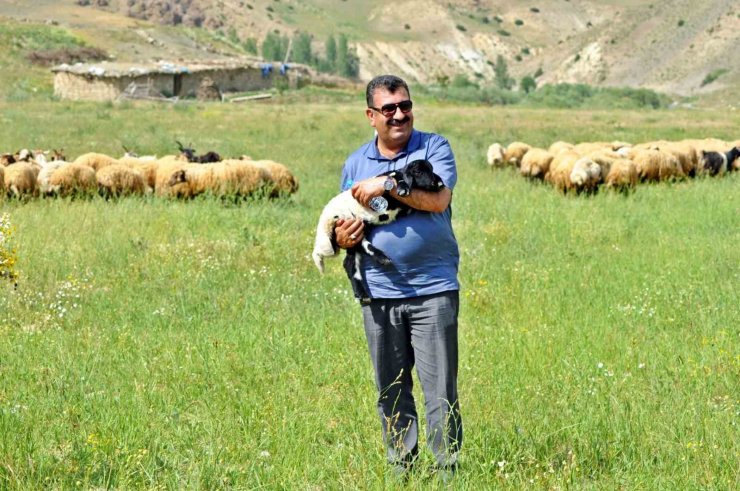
<point>587,166</point>
<point>28,174</point>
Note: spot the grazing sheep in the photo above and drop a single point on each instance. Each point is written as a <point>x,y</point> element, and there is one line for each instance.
<point>561,168</point>
<point>655,165</point>
<point>585,175</point>
<point>495,155</point>
<point>282,181</point>
<point>418,174</point>
<point>59,178</point>
<point>234,178</point>
<point>536,163</point>
<point>622,175</point>
<point>95,160</point>
<point>515,152</point>
<point>20,180</point>
<point>166,166</point>
<point>560,146</point>
<point>119,180</point>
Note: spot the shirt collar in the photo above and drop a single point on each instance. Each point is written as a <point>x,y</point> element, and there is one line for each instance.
<point>413,144</point>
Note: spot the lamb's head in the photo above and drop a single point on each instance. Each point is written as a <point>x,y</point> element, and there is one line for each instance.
<point>418,174</point>
<point>188,152</point>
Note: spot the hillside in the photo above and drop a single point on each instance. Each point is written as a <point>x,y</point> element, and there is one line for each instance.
<point>677,46</point>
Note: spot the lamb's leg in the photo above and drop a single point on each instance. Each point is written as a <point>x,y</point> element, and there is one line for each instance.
<point>351,265</point>
<point>375,253</point>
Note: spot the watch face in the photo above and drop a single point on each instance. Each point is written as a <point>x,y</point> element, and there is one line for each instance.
<point>388,184</point>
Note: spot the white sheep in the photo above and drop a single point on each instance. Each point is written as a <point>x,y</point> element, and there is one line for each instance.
<point>495,155</point>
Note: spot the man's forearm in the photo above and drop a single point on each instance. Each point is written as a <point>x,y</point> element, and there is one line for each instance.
<point>432,201</point>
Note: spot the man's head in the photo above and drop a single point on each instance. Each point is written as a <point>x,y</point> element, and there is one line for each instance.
<point>389,111</point>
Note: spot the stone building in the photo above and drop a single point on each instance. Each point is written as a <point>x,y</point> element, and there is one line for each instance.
<point>109,81</point>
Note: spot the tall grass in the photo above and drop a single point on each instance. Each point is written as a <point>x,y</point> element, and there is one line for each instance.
<point>168,344</point>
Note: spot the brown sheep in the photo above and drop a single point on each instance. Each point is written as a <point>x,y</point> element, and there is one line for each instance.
<point>282,181</point>
<point>20,180</point>
<point>561,168</point>
<point>95,160</point>
<point>120,180</point>
<point>536,163</point>
<point>622,175</point>
<point>560,146</point>
<point>515,151</point>
<point>66,179</point>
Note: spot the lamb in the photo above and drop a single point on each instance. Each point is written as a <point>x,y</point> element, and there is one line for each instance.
<point>66,179</point>
<point>95,160</point>
<point>536,163</point>
<point>418,174</point>
<point>20,180</point>
<point>119,180</point>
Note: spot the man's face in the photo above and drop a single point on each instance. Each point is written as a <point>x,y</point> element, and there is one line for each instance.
<point>395,130</point>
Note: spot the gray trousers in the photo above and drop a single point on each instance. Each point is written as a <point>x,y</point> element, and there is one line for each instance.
<point>419,331</point>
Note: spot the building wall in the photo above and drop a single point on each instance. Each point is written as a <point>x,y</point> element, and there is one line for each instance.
<point>90,88</point>
<point>231,80</point>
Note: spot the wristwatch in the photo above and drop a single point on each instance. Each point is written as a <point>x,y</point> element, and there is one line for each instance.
<point>389,183</point>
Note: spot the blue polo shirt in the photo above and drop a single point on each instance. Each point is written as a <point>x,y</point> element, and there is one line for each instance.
<point>421,245</point>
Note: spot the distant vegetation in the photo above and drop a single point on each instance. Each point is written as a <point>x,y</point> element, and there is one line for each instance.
<point>713,75</point>
<point>338,57</point>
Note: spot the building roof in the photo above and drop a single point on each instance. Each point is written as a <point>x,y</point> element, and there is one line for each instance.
<point>117,69</point>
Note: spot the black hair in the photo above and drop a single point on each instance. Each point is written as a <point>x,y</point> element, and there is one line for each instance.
<point>391,83</point>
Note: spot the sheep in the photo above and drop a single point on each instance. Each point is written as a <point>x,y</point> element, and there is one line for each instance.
<point>733,158</point>
<point>655,165</point>
<point>235,178</point>
<point>148,170</point>
<point>536,163</point>
<point>621,176</point>
<point>20,180</point>
<point>95,160</point>
<point>718,163</point>
<point>120,180</point>
<point>561,168</point>
<point>2,179</point>
<point>495,155</point>
<point>283,182</point>
<point>585,175</point>
<point>515,151</point>
<point>66,179</point>
<point>684,152</point>
<point>418,174</point>
<point>560,146</point>
<point>166,166</point>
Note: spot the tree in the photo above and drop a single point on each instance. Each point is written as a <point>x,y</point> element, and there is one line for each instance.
<point>331,52</point>
<point>302,49</point>
<point>274,47</point>
<point>347,64</point>
<point>501,71</point>
<point>528,84</point>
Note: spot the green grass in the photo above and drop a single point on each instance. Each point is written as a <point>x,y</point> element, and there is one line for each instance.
<point>193,345</point>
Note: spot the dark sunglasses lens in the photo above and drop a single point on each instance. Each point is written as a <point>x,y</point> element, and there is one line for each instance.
<point>389,110</point>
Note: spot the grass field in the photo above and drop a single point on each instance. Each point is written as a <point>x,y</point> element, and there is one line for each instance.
<point>156,344</point>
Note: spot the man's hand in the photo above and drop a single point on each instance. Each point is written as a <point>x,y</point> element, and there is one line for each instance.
<point>349,233</point>
<point>366,190</point>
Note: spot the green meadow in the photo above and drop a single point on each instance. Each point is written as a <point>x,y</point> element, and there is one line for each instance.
<point>162,344</point>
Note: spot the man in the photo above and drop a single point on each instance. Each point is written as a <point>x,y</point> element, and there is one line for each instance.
<point>411,314</point>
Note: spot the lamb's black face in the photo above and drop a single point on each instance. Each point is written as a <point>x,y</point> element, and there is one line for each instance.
<point>420,174</point>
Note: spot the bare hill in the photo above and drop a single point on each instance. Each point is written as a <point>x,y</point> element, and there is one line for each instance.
<point>676,46</point>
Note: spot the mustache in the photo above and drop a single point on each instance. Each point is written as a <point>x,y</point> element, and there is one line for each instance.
<point>399,122</point>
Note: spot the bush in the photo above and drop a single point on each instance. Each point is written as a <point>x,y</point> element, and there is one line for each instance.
<point>713,75</point>
<point>586,96</point>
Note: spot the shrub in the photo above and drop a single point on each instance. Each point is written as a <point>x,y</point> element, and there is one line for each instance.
<point>504,32</point>
<point>461,27</point>
<point>713,75</point>
<point>519,22</point>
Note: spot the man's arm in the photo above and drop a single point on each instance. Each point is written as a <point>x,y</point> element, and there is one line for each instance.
<point>432,201</point>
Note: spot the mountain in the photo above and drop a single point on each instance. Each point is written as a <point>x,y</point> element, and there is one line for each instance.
<point>680,47</point>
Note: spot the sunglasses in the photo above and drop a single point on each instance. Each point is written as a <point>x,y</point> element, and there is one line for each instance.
<point>388,110</point>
